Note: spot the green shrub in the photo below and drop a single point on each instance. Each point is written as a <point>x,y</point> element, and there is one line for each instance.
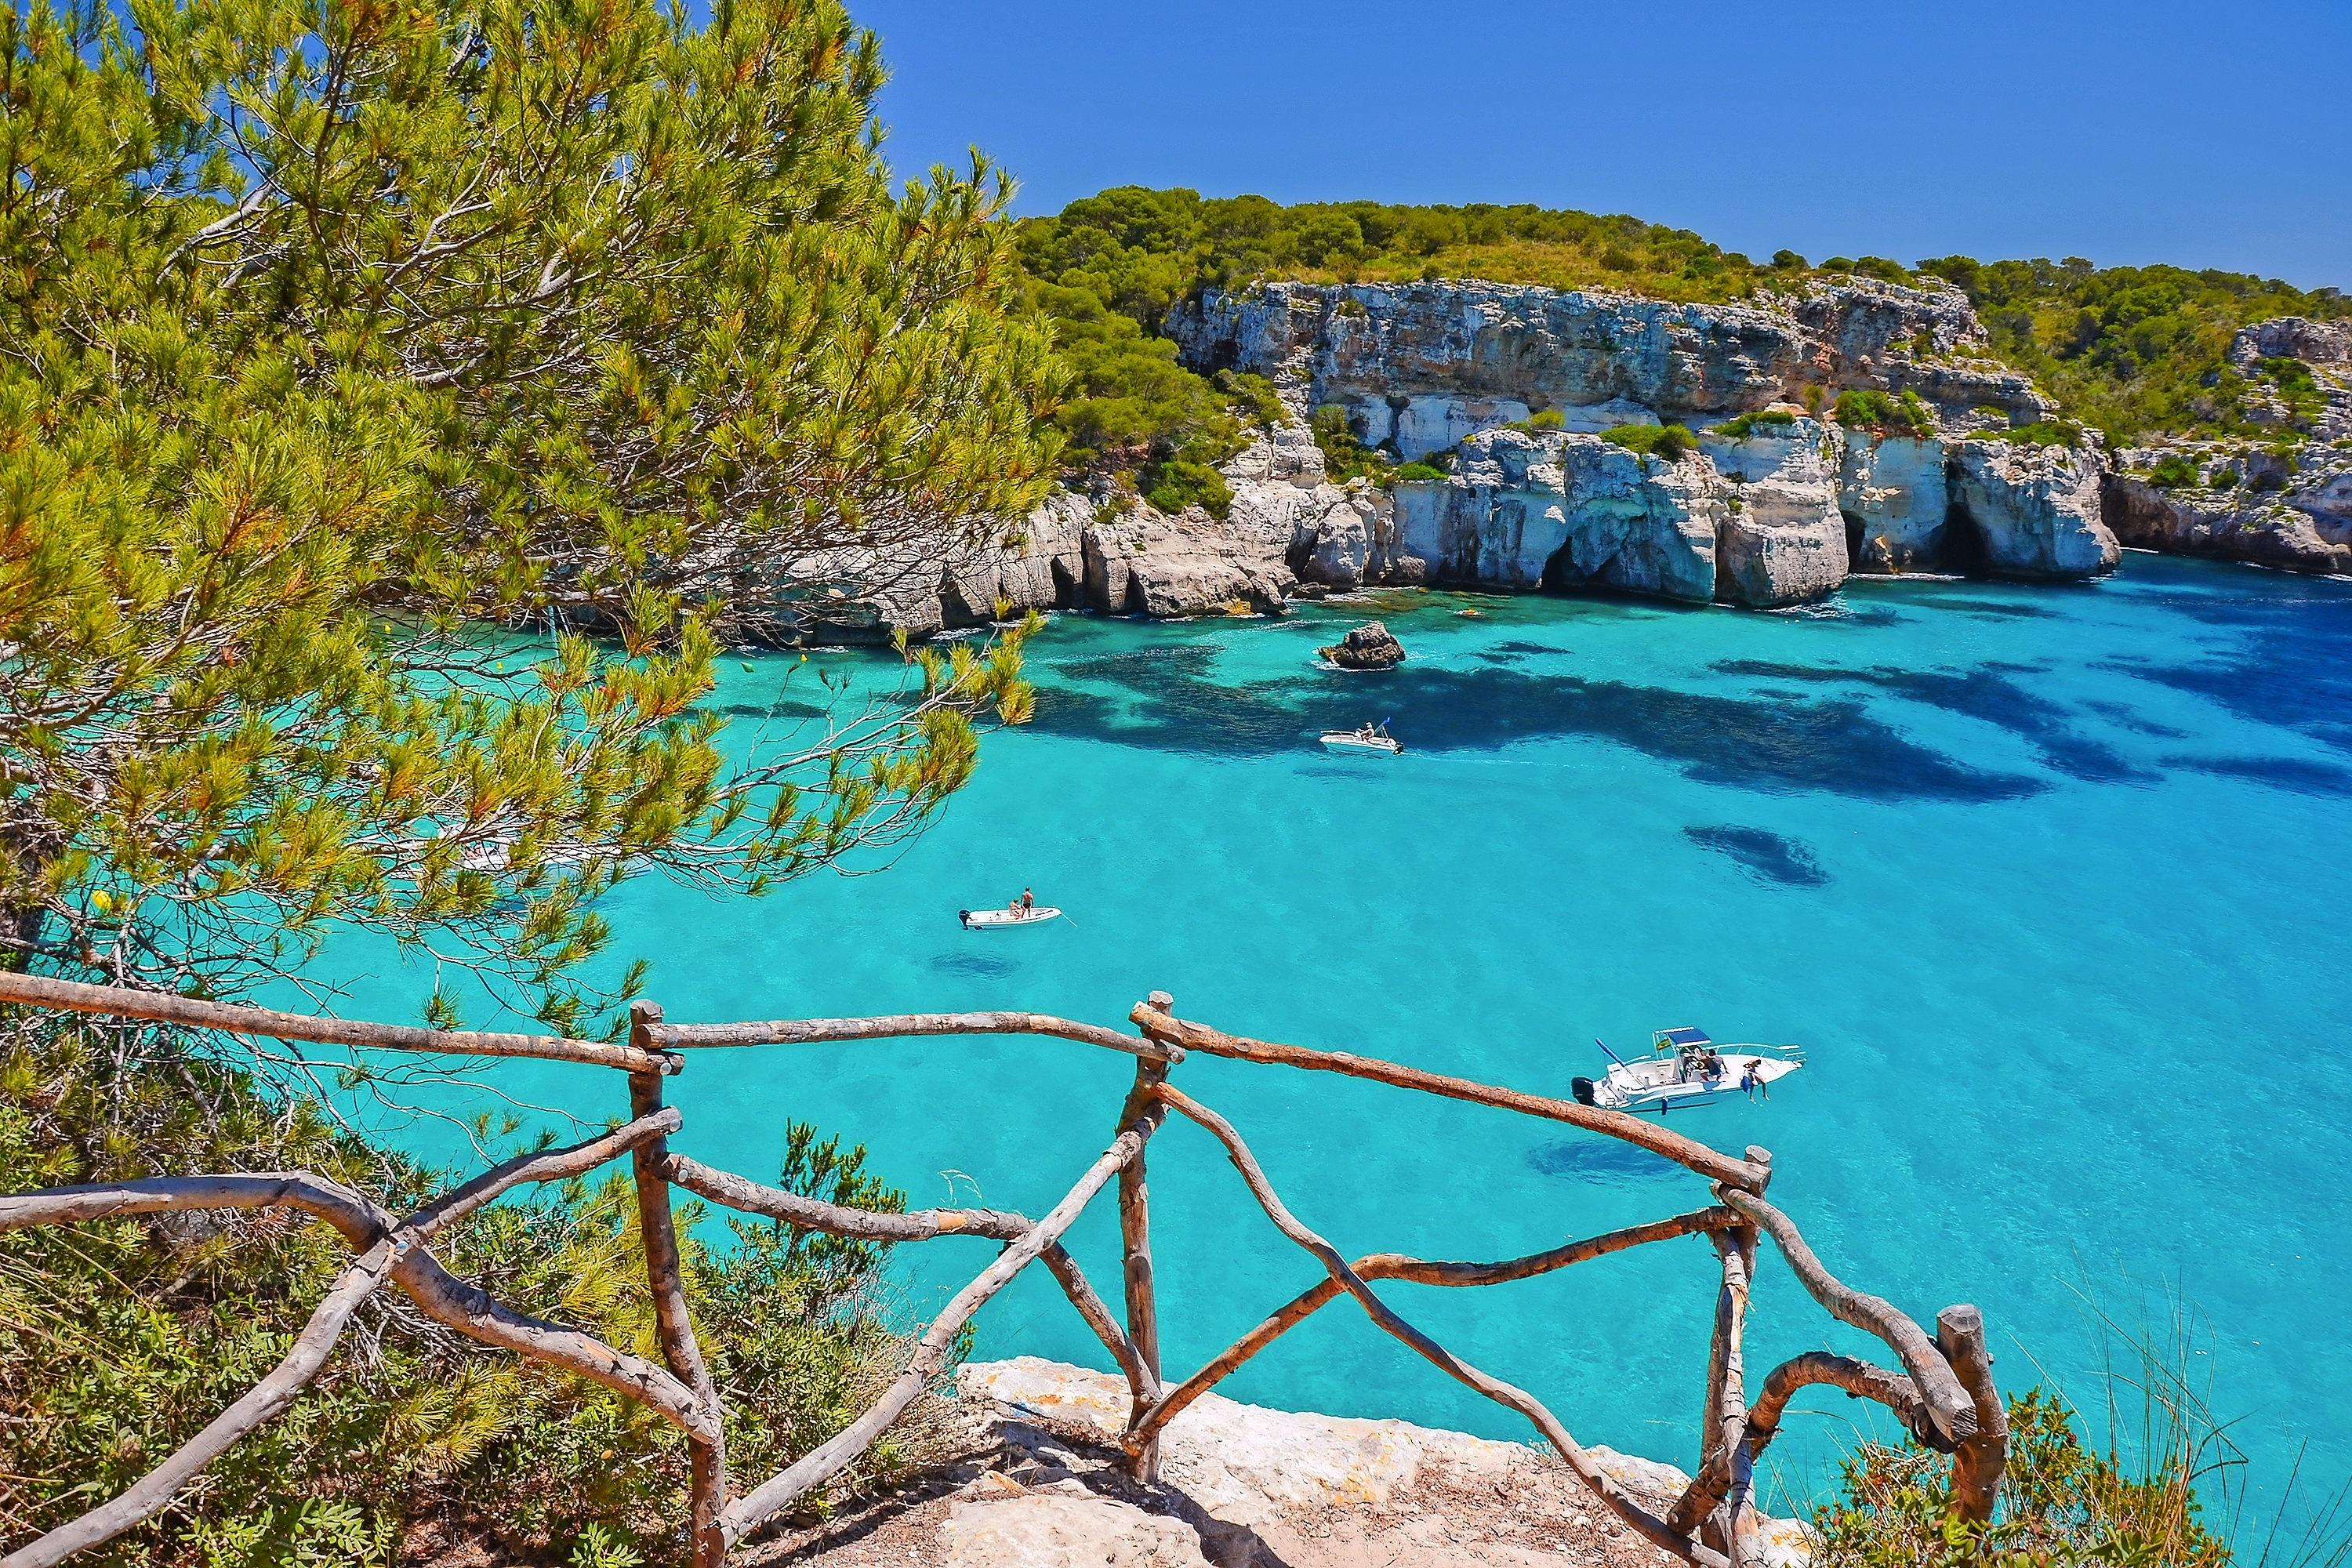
<point>1416,473</point>
<point>1788,261</point>
<point>1838,264</point>
<point>1175,483</point>
<point>2062,1506</point>
<point>1880,267</point>
<point>2045,432</point>
<point>1251,395</point>
<point>119,1341</point>
<point>1546,419</point>
<point>1344,456</point>
<point>1859,409</point>
<point>1745,424</point>
<point>2221,480</point>
<point>1669,442</point>
<point>2172,472</point>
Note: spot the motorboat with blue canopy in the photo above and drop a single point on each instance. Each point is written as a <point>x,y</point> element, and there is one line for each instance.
<point>1685,1066</point>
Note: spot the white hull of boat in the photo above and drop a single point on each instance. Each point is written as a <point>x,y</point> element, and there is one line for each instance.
<point>1347,740</point>
<point>1654,1085</point>
<point>996,920</point>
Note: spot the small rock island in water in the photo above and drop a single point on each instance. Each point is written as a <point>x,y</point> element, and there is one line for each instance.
<point>1369,647</point>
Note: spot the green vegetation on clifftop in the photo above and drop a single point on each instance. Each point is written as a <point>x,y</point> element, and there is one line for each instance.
<point>2132,350</point>
<point>2137,350</point>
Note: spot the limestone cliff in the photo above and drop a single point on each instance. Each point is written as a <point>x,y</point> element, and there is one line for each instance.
<point>1772,512</point>
<point>1423,365</point>
<point>1504,389</point>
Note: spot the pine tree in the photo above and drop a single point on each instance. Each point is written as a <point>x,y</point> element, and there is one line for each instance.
<point>331,335</point>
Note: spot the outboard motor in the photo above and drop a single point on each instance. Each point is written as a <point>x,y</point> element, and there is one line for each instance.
<point>1582,1089</point>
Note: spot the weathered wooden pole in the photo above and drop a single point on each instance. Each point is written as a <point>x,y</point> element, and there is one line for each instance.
<point>1728,1378</point>
<point>1135,1233</point>
<point>665,1273</point>
<point>1978,1463</point>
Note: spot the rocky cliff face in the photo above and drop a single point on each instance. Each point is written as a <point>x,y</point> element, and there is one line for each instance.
<point>1423,365</point>
<point>2034,509</point>
<point>2285,502</point>
<point>1779,514</point>
<point>1769,511</point>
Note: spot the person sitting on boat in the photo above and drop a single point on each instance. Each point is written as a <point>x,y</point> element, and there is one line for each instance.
<point>1028,901</point>
<point>1710,1066</point>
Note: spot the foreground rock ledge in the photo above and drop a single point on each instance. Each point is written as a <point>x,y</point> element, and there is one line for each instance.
<point>1036,1485</point>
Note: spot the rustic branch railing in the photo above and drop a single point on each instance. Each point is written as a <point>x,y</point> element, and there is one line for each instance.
<point>1944,1395</point>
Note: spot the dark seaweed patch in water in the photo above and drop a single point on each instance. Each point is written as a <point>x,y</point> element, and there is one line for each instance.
<point>2290,670</point>
<point>1516,647</point>
<point>1989,694</point>
<point>1143,669</point>
<point>1876,615</point>
<point>1779,746</point>
<point>773,710</point>
<point>1496,658</point>
<point>2122,714</point>
<point>1988,609</point>
<point>1766,856</point>
<point>986,965</point>
<point>2293,774</point>
<point>1599,1160</point>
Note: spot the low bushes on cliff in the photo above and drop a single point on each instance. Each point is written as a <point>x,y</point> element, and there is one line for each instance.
<point>2136,350</point>
<point>1904,415</point>
<point>119,1341</point>
<point>2061,1505</point>
<point>1769,420</point>
<point>1670,442</point>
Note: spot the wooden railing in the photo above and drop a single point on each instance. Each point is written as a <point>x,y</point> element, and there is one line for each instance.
<point>1944,1393</point>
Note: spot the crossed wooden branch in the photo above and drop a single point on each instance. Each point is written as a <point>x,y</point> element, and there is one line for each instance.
<point>1944,1395</point>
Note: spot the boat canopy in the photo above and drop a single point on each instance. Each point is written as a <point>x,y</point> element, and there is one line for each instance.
<point>1683,1038</point>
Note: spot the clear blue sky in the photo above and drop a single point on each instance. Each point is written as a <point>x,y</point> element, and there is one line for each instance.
<point>2216,134</point>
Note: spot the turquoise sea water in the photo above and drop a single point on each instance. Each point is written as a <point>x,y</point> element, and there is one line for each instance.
<point>2048,880</point>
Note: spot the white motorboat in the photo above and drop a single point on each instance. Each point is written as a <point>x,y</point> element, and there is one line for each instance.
<point>1370,738</point>
<point>993,919</point>
<point>1685,1068</point>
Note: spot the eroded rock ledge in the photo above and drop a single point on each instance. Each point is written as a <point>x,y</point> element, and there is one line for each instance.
<point>1036,1486</point>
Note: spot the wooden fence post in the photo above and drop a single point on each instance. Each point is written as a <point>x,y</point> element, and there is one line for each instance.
<point>665,1274</point>
<point>1978,1463</point>
<point>1135,1232</point>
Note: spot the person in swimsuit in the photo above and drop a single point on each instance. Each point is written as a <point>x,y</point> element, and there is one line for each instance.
<point>1028,901</point>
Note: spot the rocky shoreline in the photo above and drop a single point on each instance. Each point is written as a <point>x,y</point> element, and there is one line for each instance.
<point>1030,1479</point>
<point>1500,394</point>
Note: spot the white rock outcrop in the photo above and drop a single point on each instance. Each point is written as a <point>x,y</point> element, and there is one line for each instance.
<point>1248,1471</point>
<point>1893,493</point>
<point>1050,1530</point>
<point>1782,541</point>
<point>1424,364</point>
<point>2035,509</point>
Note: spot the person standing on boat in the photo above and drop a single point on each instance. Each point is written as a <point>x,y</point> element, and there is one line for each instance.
<point>1753,1079</point>
<point>1028,901</point>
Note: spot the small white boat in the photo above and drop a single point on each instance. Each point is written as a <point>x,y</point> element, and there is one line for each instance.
<point>990,920</point>
<point>1685,1068</point>
<point>1370,738</point>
